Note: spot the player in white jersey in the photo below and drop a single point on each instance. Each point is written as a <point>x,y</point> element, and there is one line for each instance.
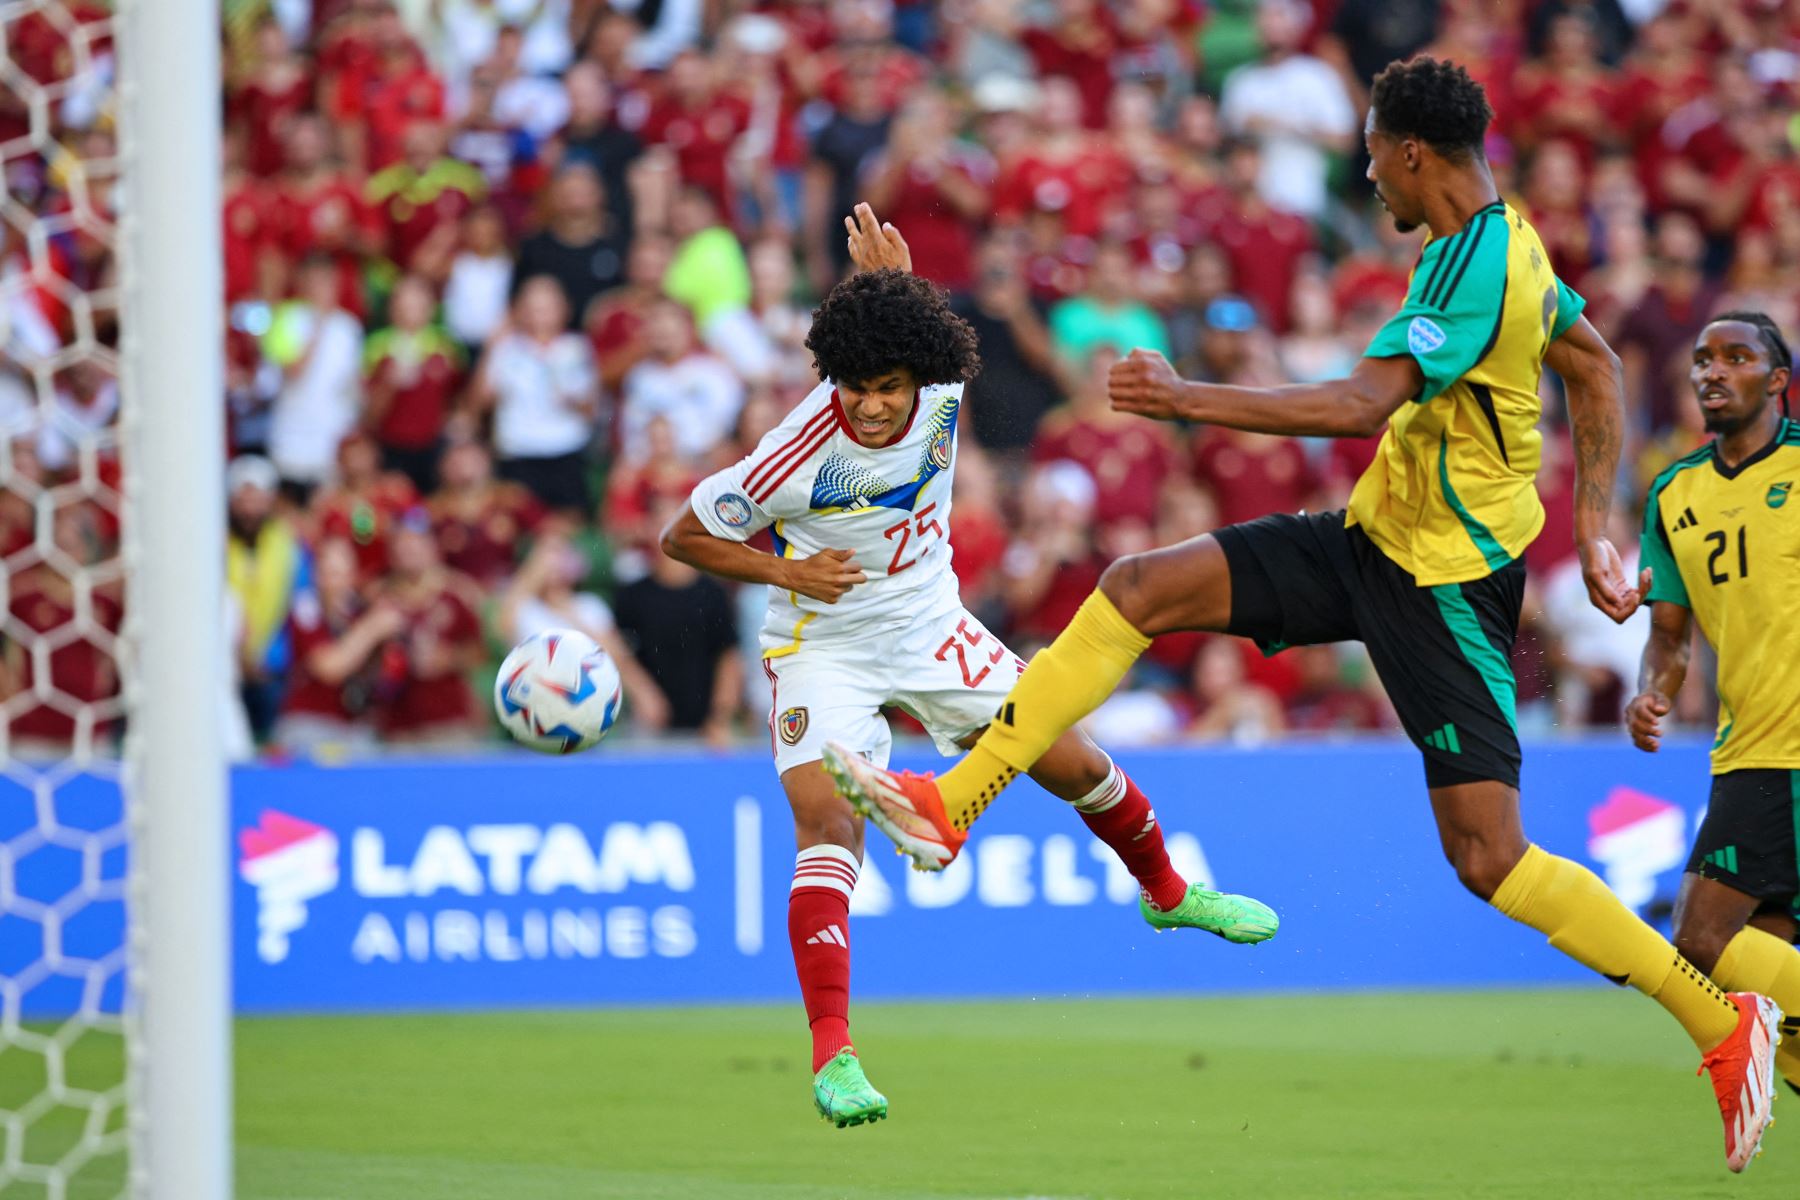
<point>855,488</point>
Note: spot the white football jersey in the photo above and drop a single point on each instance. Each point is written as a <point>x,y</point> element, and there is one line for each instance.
<point>821,489</point>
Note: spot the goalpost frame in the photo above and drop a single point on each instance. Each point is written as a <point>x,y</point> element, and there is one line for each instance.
<point>172,386</point>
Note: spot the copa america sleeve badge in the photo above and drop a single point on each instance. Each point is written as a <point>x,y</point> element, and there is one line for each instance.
<point>732,509</point>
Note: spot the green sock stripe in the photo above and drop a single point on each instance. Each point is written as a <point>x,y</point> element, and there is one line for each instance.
<point>1484,540</point>
<point>1495,671</point>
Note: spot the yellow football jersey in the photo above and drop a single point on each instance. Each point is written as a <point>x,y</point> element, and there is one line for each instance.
<point>1725,542</point>
<point>1451,495</point>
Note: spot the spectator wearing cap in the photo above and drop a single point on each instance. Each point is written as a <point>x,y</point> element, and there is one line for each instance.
<point>424,680</point>
<point>337,639</point>
<point>362,503</point>
<point>539,381</point>
<point>1130,461</point>
<point>1107,312</point>
<point>680,625</point>
<point>412,372</point>
<point>318,347</point>
<point>422,199</point>
<point>478,520</point>
<point>1295,106</point>
<point>935,187</point>
<point>542,598</point>
<point>698,394</point>
<point>264,562</point>
<point>575,247</point>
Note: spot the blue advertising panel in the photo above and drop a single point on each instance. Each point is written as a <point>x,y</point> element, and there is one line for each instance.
<point>619,878</point>
<point>623,879</point>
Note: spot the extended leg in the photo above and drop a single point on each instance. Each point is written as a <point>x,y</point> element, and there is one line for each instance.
<point>830,840</point>
<point>1714,928</point>
<point>1117,812</point>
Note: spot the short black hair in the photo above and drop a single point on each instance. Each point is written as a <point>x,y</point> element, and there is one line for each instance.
<point>1780,357</point>
<point>1434,101</point>
<point>879,321</point>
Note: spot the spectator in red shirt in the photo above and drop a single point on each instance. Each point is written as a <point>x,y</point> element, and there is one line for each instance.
<point>1053,562</point>
<point>699,123</point>
<point>1264,244</point>
<point>276,87</point>
<point>616,319</point>
<point>412,372</point>
<point>638,485</point>
<point>252,252</point>
<point>1554,198</point>
<point>363,504</point>
<point>1079,45</point>
<point>1066,170</point>
<point>43,602</point>
<point>1569,94</point>
<point>427,667</point>
<point>422,200</point>
<point>1251,474</point>
<point>1129,460</point>
<point>319,211</point>
<point>479,520</point>
<point>383,93</point>
<point>337,640</point>
<point>935,187</point>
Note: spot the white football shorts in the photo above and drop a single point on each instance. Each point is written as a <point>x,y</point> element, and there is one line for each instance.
<point>948,671</point>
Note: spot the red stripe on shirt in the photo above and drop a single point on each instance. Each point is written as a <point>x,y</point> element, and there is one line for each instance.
<point>769,487</point>
<point>807,432</point>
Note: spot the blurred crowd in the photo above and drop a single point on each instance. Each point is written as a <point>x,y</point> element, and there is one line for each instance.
<point>507,277</point>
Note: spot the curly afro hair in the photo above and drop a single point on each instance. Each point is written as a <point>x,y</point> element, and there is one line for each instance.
<point>879,321</point>
<point>1434,101</point>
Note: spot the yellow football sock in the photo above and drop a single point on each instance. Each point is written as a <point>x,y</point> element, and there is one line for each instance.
<point>1755,961</point>
<point>1064,683</point>
<point>1567,902</point>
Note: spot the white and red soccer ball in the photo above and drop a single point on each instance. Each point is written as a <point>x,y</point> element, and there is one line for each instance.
<point>558,692</point>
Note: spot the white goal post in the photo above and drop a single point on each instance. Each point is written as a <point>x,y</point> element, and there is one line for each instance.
<point>172,388</point>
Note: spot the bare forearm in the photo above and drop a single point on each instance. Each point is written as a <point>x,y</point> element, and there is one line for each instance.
<point>727,559</point>
<point>1335,408</point>
<point>1665,663</point>
<point>1597,422</point>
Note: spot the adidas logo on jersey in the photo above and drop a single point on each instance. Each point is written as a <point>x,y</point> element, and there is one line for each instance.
<point>831,935</point>
<point>1687,520</point>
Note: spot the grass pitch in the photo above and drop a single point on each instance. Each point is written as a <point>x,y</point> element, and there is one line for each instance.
<point>1572,1093</point>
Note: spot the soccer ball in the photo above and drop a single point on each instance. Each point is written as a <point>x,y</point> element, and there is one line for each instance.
<point>558,692</point>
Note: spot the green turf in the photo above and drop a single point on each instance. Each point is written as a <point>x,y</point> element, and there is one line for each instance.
<point>1497,1094</point>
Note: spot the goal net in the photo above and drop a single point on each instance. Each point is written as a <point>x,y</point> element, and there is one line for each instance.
<point>109,501</point>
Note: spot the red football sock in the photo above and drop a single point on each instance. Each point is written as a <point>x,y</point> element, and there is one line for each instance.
<point>819,931</point>
<point>1120,815</point>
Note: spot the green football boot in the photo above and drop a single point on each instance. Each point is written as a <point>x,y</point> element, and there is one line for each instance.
<point>843,1095</point>
<point>1238,919</point>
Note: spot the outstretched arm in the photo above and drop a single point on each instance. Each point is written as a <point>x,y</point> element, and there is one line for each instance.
<point>1660,677</point>
<point>1594,380</point>
<point>1358,405</point>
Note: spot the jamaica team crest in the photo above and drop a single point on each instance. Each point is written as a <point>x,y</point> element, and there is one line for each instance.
<point>1778,493</point>
<point>792,725</point>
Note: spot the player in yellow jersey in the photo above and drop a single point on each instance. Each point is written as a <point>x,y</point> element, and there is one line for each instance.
<point>1423,568</point>
<point>1722,538</point>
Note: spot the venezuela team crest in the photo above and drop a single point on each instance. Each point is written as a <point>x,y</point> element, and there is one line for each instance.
<point>792,725</point>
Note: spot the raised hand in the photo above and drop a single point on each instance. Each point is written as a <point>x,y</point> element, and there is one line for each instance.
<point>874,245</point>
<point>826,575</point>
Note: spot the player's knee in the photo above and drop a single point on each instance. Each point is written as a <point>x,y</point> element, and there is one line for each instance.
<point>1480,867</point>
<point>1701,942</point>
<point>1123,583</point>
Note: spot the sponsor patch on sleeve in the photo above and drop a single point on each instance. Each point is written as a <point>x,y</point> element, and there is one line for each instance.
<point>1424,335</point>
<point>733,510</point>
